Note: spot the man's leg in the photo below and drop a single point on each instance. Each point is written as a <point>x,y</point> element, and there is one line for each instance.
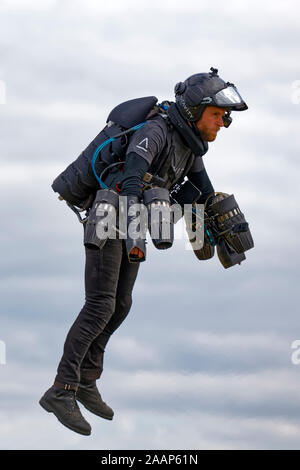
<point>101,281</point>
<point>92,364</point>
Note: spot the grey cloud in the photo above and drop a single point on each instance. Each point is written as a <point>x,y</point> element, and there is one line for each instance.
<point>65,68</point>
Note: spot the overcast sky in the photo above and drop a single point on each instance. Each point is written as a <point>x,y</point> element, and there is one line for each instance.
<point>203,360</point>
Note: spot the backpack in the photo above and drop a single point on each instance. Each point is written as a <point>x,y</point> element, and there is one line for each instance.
<point>79,182</point>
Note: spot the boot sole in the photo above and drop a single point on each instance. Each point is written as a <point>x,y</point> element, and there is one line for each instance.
<point>46,407</point>
<point>94,412</point>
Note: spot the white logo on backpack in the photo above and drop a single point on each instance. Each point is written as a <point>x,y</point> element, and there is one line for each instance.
<point>145,142</point>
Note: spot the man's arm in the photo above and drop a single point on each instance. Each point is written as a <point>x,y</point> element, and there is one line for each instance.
<point>199,177</point>
<point>144,145</point>
<point>134,171</point>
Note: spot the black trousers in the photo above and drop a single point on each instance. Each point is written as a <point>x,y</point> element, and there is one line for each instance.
<point>109,280</point>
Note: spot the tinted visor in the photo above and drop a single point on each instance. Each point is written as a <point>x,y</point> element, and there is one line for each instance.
<point>230,97</point>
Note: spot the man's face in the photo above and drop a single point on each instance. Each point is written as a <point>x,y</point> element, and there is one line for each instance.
<point>210,122</point>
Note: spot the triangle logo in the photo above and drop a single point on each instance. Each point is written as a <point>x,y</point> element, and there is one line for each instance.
<point>143,145</point>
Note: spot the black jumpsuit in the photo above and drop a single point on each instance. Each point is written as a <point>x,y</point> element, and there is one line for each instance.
<point>109,277</point>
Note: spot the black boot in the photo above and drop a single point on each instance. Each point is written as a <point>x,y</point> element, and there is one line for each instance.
<point>63,404</point>
<point>89,396</point>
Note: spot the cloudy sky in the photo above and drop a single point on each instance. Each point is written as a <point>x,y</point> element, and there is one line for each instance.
<point>204,360</point>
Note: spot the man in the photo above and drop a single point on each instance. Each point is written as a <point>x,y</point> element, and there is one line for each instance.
<point>169,146</point>
<point>210,123</point>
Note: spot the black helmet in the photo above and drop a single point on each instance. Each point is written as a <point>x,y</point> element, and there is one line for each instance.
<point>207,89</point>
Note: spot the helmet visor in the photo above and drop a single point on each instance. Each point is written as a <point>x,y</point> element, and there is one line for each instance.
<point>230,97</point>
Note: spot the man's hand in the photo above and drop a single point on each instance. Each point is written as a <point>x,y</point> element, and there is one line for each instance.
<point>136,252</point>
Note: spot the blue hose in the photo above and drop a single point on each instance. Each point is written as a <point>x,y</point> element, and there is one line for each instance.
<point>106,142</point>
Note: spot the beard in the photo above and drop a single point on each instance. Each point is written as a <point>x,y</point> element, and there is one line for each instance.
<point>208,135</point>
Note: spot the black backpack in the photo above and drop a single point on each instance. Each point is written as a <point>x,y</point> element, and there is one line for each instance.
<point>79,182</point>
